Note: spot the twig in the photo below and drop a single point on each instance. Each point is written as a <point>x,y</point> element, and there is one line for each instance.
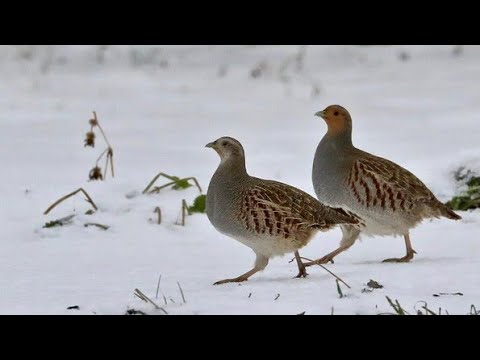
<point>339,290</point>
<point>110,153</point>
<point>158,286</point>
<point>173,181</point>
<point>185,209</point>
<point>63,198</point>
<point>159,212</point>
<point>104,227</point>
<point>151,183</point>
<point>143,297</point>
<point>196,183</point>
<point>157,189</point>
<point>276,297</point>
<point>101,155</point>
<point>108,150</point>
<point>397,307</point>
<point>331,273</point>
<point>181,292</point>
<point>106,167</point>
<point>424,307</point>
<point>101,130</point>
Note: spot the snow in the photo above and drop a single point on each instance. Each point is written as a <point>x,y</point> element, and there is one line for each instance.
<point>159,106</point>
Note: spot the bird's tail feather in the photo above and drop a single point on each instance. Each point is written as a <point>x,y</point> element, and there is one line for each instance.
<point>448,213</point>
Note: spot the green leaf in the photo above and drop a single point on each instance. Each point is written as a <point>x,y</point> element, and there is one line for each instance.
<point>470,198</point>
<point>474,181</point>
<point>198,204</point>
<point>53,223</point>
<point>180,184</point>
<point>59,222</point>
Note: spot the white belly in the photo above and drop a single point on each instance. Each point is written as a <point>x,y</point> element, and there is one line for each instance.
<point>268,246</point>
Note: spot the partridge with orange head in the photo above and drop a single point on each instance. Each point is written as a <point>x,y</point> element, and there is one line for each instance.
<point>389,199</point>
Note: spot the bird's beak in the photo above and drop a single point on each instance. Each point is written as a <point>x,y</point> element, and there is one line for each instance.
<point>210,145</point>
<point>320,114</point>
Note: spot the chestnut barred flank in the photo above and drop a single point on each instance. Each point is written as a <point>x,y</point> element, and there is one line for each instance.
<point>387,199</point>
<point>280,210</point>
<point>269,217</point>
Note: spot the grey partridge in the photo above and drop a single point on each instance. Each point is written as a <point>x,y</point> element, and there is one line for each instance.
<point>387,198</point>
<point>270,217</point>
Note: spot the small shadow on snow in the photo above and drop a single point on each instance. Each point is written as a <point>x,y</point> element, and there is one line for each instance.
<point>423,260</point>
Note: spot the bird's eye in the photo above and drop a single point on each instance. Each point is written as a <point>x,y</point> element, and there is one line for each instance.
<point>224,143</point>
<point>335,113</point>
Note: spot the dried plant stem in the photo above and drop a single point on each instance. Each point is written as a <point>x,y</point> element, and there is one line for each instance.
<point>196,183</point>
<point>150,184</point>
<point>331,273</point>
<point>173,181</point>
<point>397,307</point>
<point>101,155</point>
<point>101,130</point>
<point>158,286</point>
<point>108,150</point>
<point>185,210</point>
<point>339,290</point>
<point>106,167</point>
<point>159,289</point>
<point>110,154</point>
<point>145,298</point>
<point>181,292</point>
<point>63,198</point>
<point>157,189</point>
<point>159,213</point>
<point>101,226</point>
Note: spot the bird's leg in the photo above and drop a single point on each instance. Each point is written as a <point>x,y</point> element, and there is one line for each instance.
<point>243,277</point>
<point>302,271</point>
<point>408,256</point>
<point>350,235</point>
<point>261,263</point>
<point>327,258</point>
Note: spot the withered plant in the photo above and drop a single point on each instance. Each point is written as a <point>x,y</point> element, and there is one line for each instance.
<point>96,172</point>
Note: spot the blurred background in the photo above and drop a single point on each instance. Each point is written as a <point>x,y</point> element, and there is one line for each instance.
<point>159,105</point>
<point>416,104</point>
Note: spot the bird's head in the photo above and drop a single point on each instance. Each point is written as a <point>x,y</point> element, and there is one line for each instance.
<point>337,118</point>
<point>227,147</point>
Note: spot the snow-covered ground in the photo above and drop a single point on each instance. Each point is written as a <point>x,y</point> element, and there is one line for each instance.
<point>417,105</point>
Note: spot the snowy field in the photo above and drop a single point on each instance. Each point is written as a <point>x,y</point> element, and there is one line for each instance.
<point>416,105</point>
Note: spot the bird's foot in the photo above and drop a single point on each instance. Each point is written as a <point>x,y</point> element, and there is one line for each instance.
<point>404,259</point>
<point>237,280</point>
<point>302,273</point>
<point>324,260</point>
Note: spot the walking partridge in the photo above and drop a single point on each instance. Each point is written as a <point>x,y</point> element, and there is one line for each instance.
<point>389,199</point>
<point>270,217</point>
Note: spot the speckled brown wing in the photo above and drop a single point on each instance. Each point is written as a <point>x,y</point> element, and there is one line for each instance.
<point>277,209</point>
<point>379,183</point>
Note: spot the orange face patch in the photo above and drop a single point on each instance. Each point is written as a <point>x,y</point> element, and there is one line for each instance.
<point>337,119</point>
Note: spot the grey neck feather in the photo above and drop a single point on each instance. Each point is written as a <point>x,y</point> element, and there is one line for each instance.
<point>231,169</point>
<point>338,143</point>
